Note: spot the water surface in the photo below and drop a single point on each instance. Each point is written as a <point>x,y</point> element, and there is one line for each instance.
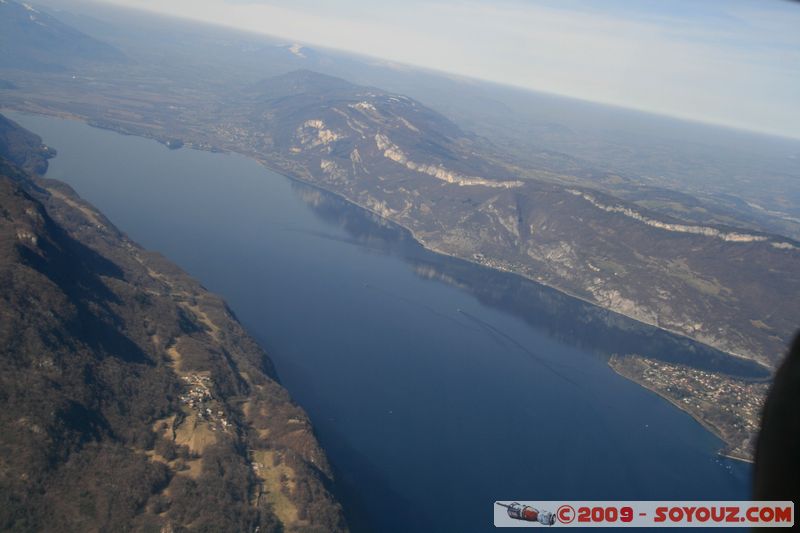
<point>436,386</point>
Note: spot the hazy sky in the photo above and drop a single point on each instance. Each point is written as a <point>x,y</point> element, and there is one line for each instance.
<point>733,62</point>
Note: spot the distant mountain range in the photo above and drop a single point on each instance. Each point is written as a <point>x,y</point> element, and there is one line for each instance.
<point>33,40</point>
<point>130,397</point>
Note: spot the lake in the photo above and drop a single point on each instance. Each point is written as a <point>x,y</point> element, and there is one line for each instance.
<point>435,386</point>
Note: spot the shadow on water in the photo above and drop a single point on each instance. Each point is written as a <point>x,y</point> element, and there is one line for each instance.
<point>352,471</point>
<point>435,385</point>
<point>568,319</point>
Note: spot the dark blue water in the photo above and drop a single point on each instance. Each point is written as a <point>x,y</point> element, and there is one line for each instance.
<point>436,387</point>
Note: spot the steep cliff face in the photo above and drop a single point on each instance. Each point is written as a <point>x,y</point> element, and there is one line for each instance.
<point>130,397</point>
<point>725,287</point>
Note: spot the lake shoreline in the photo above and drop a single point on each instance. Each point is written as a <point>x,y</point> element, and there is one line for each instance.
<point>294,177</point>
<point>729,451</point>
<point>363,325</point>
<point>265,163</point>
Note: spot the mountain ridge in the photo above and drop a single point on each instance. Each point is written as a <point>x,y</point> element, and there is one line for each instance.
<point>131,397</point>
<point>456,199</point>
